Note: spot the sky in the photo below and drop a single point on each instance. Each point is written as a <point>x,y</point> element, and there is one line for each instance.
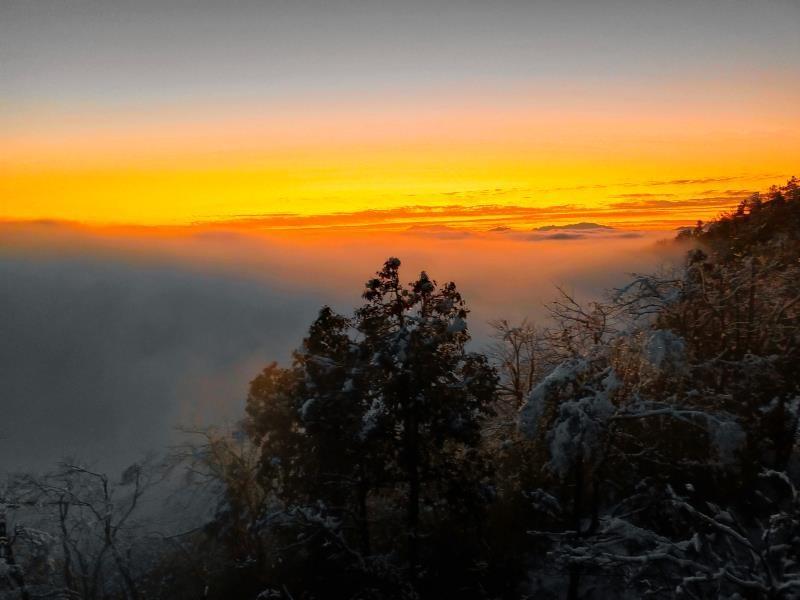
<point>184,184</point>
<point>647,114</point>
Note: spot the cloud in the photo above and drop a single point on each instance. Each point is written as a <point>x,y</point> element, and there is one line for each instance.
<point>720,202</point>
<point>565,236</point>
<point>399,218</point>
<point>581,231</point>
<point>442,232</point>
<point>480,209</point>
<point>108,340</point>
<point>99,357</point>
<point>473,212</point>
<point>597,234</point>
<point>695,181</point>
<point>458,217</point>
<point>652,183</point>
<point>640,196</point>
<point>729,193</point>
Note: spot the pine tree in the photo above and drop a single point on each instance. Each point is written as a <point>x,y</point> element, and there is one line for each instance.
<point>430,398</point>
<point>385,410</point>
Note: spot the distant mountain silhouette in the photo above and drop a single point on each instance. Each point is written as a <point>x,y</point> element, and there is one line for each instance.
<point>580,226</point>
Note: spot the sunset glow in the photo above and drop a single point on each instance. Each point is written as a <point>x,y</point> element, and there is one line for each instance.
<point>623,145</point>
<point>540,158</point>
<point>399,299</point>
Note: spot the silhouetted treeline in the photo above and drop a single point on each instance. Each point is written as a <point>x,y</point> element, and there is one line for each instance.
<point>643,445</point>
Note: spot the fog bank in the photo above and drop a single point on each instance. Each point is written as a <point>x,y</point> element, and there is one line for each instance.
<point>109,341</point>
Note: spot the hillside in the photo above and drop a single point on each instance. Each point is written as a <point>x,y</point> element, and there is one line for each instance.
<point>641,445</point>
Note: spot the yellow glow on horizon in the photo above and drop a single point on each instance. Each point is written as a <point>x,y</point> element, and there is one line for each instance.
<point>175,168</point>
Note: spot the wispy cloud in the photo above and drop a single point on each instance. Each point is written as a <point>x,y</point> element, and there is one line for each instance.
<point>483,209</point>
<point>540,191</point>
<point>646,209</point>
<point>636,212</point>
<point>718,202</point>
<point>636,196</point>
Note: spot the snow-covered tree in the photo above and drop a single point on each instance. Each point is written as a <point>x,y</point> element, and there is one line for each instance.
<point>372,437</point>
<point>686,382</point>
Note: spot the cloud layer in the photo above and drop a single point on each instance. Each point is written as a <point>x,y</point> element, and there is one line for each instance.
<point>101,359</point>
<point>108,340</point>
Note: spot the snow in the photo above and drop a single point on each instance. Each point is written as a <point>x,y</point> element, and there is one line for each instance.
<point>370,419</point>
<point>727,437</point>
<point>305,408</point>
<point>544,502</point>
<point>666,351</point>
<point>580,423</point>
<point>531,412</point>
<point>578,431</point>
<point>458,325</point>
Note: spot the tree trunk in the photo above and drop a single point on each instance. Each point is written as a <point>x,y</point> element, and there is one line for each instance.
<point>577,502</point>
<point>412,508</point>
<point>363,516</point>
<point>69,580</point>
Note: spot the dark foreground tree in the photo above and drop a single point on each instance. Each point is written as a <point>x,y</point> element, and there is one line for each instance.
<point>371,444</point>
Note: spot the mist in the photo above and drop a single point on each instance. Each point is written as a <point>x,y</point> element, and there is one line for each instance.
<point>109,341</point>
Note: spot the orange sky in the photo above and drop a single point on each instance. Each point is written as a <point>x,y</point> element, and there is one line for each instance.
<point>334,114</point>
<point>652,155</point>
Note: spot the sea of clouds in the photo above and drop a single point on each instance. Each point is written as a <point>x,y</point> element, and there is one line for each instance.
<point>109,342</point>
